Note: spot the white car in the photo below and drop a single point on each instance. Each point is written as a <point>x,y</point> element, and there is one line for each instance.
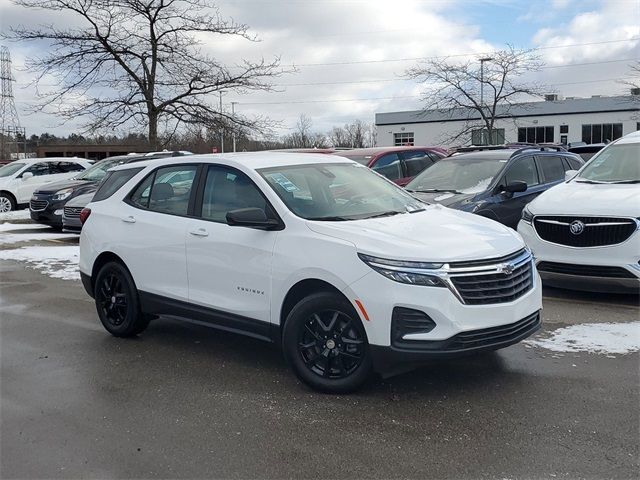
<point>318,253</point>
<point>585,233</point>
<point>20,178</point>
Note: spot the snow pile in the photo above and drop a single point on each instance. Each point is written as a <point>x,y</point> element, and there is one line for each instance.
<point>605,338</point>
<point>57,262</point>
<point>16,215</point>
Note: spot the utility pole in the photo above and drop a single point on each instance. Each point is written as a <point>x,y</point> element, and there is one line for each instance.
<point>482,60</point>
<point>233,133</point>
<point>221,127</point>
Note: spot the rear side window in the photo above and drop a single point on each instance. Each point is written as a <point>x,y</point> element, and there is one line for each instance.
<point>112,182</point>
<point>167,190</point>
<point>574,163</point>
<point>66,167</point>
<point>552,168</point>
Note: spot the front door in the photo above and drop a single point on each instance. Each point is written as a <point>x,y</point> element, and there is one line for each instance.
<point>229,268</point>
<point>26,186</point>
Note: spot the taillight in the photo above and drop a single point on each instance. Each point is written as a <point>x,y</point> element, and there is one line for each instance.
<point>84,215</point>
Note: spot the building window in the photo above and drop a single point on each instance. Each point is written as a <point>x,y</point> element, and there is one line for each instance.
<point>481,137</point>
<point>638,126</point>
<point>535,134</point>
<point>564,128</point>
<point>601,133</point>
<point>403,139</point>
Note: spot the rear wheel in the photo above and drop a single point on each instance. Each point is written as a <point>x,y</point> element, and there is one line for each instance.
<point>117,301</point>
<point>326,345</point>
<point>7,203</point>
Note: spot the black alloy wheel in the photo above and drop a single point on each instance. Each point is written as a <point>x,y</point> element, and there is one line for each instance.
<point>330,345</point>
<point>117,301</point>
<point>326,345</point>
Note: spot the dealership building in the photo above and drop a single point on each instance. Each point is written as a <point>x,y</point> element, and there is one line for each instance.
<point>591,120</point>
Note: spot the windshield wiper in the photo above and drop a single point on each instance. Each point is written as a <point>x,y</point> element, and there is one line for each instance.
<point>330,219</point>
<point>627,181</point>
<point>436,190</point>
<point>390,213</point>
<point>594,182</point>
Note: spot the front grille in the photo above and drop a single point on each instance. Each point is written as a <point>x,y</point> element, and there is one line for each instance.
<point>585,270</point>
<point>487,337</point>
<point>72,212</point>
<point>598,231</point>
<point>38,205</point>
<point>487,288</point>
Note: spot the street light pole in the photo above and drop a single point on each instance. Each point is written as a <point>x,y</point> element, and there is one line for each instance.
<point>482,60</point>
<point>233,133</point>
<point>221,127</point>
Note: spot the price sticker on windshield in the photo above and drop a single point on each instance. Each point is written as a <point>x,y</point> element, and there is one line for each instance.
<point>284,182</point>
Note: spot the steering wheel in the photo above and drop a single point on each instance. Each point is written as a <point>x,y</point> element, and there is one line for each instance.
<point>357,200</point>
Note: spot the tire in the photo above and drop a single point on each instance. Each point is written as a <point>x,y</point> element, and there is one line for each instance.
<point>117,301</point>
<point>7,203</point>
<point>326,345</point>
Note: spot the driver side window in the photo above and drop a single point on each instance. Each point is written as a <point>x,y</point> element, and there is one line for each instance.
<point>523,170</point>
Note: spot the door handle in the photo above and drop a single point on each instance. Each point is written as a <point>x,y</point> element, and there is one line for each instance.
<point>200,232</point>
<point>129,219</point>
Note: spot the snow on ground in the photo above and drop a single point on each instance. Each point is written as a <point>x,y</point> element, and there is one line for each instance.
<point>604,338</point>
<point>54,261</point>
<point>15,215</point>
<point>26,232</point>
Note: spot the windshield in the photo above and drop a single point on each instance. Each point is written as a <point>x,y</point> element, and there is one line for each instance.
<point>96,172</point>
<point>10,169</point>
<point>338,192</point>
<point>615,164</point>
<point>461,174</point>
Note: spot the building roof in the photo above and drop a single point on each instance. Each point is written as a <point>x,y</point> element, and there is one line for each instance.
<point>529,109</point>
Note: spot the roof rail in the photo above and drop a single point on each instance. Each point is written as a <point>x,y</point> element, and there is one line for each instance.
<point>480,148</point>
<point>538,148</point>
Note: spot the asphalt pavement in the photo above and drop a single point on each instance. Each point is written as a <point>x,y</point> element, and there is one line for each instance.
<point>183,401</point>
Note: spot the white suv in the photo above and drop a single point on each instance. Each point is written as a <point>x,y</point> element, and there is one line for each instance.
<point>585,233</point>
<point>346,270</point>
<point>20,178</point>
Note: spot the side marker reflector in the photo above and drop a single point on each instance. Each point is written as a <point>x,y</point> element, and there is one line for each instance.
<point>364,312</point>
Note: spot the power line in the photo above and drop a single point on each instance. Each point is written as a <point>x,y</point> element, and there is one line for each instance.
<point>382,80</point>
<point>293,102</point>
<point>412,59</point>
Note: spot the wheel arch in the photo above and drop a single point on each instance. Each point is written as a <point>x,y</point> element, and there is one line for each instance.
<point>10,195</point>
<point>302,289</point>
<point>101,260</point>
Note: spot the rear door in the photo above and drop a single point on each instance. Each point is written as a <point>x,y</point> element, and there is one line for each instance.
<point>507,207</point>
<point>551,168</point>
<point>152,226</point>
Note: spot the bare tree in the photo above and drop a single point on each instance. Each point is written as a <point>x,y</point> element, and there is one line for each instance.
<point>633,80</point>
<point>140,62</point>
<point>455,88</point>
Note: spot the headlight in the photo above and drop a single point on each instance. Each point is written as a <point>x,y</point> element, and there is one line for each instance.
<point>527,216</point>
<point>413,273</point>
<point>62,194</point>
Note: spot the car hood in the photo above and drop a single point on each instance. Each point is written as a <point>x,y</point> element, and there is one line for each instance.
<point>438,234</point>
<point>55,186</point>
<point>588,199</point>
<point>448,199</point>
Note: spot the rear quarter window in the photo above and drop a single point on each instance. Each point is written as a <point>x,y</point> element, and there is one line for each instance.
<point>112,182</point>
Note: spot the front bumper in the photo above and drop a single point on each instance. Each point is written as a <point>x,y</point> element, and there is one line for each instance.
<point>610,268</point>
<point>388,359</point>
<point>42,210</point>
<point>71,224</point>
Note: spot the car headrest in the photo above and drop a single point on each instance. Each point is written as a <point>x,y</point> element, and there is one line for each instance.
<point>161,191</point>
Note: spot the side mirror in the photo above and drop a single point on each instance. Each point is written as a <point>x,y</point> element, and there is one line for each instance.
<point>252,218</point>
<point>514,187</point>
<point>27,175</point>
<point>569,174</point>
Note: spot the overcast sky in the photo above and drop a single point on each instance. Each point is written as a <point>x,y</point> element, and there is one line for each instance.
<point>350,54</point>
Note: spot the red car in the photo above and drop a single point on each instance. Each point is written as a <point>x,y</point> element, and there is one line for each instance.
<point>399,164</point>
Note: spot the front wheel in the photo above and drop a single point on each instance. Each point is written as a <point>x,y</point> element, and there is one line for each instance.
<point>117,301</point>
<point>7,203</point>
<point>326,344</point>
